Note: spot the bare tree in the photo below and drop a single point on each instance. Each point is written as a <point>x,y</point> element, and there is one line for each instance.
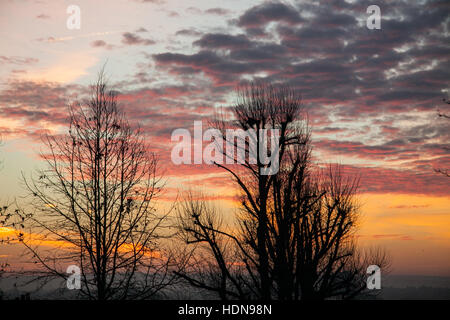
<point>261,106</point>
<point>12,221</point>
<point>318,223</point>
<point>215,262</point>
<point>96,201</point>
<point>295,231</point>
<point>10,217</point>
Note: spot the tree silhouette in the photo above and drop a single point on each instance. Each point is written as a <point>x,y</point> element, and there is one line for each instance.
<point>10,220</point>
<point>295,230</point>
<point>96,201</point>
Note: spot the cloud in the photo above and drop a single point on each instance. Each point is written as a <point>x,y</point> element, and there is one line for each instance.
<point>98,43</point>
<point>33,108</point>
<point>370,95</point>
<point>223,41</point>
<point>101,44</point>
<point>269,12</point>
<point>52,39</point>
<point>141,29</point>
<point>43,16</point>
<point>330,57</point>
<point>67,69</point>
<point>409,206</point>
<point>194,10</point>
<point>133,39</point>
<point>407,181</point>
<point>217,11</point>
<point>17,60</point>
<point>151,1</point>
<point>173,14</point>
<point>188,32</point>
<point>388,236</point>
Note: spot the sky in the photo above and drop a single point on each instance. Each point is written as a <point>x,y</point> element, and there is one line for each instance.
<point>372,96</point>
